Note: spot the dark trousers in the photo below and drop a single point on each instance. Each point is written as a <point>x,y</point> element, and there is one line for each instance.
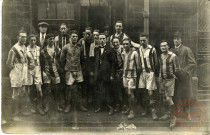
<point>49,91</point>
<point>88,87</point>
<point>143,98</point>
<point>34,96</point>
<point>62,90</point>
<point>119,92</point>
<point>104,93</point>
<point>74,93</point>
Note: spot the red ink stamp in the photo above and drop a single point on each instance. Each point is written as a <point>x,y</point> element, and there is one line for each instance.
<point>190,108</point>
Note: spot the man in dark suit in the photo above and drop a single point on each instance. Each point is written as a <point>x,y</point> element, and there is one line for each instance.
<point>63,37</point>
<point>104,70</point>
<point>43,26</point>
<point>87,43</point>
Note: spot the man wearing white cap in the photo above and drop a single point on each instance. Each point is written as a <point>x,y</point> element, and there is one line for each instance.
<point>43,26</point>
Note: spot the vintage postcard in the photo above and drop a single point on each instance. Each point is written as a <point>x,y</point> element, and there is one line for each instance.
<point>105,67</point>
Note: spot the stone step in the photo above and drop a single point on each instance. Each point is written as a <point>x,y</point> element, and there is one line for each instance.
<point>203,96</point>
<point>203,92</point>
<point>148,123</point>
<point>205,102</point>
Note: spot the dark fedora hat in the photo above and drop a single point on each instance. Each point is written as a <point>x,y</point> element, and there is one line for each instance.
<point>177,34</point>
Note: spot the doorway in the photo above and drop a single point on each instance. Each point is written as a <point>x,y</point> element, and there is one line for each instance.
<point>99,17</point>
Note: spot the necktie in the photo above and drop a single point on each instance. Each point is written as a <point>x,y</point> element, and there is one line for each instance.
<point>63,41</point>
<point>42,40</point>
<point>119,59</point>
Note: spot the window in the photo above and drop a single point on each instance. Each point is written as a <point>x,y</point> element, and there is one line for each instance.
<point>63,10</point>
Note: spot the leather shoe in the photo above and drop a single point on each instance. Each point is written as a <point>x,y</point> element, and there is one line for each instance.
<point>82,108</point>
<point>59,108</point>
<point>98,110</point>
<point>67,109</point>
<point>40,111</point>
<point>117,109</point>
<point>111,111</point>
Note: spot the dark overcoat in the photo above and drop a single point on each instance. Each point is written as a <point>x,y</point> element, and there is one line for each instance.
<point>183,86</point>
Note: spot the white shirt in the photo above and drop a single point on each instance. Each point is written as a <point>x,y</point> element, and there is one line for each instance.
<point>41,36</point>
<point>102,50</point>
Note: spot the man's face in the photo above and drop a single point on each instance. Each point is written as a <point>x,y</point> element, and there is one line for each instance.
<point>177,41</point>
<point>96,35</point>
<point>74,37</point>
<point>118,27</point>
<point>32,41</point>
<point>164,47</point>
<point>88,34</point>
<point>43,29</point>
<point>63,29</point>
<point>50,40</point>
<point>22,38</point>
<point>102,40</point>
<point>143,41</point>
<point>126,45</point>
<point>116,43</point>
<point>106,32</point>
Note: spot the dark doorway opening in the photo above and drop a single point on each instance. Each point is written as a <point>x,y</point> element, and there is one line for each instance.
<point>99,17</point>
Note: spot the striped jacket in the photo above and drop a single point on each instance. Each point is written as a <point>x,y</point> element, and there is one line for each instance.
<point>33,55</point>
<point>49,62</point>
<point>168,65</point>
<point>17,55</point>
<point>131,63</point>
<point>149,59</point>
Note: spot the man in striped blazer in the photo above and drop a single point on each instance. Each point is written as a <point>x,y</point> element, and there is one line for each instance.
<point>168,67</point>
<point>17,62</point>
<point>147,81</point>
<point>131,70</point>
<point>49,64</point>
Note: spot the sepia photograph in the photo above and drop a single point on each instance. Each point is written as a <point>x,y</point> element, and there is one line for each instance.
<point>131,67</point>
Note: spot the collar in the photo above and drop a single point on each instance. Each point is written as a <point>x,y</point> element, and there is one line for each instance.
<point>43,34</point>
<point>29,47</point>
<point>102,47</point>
<point>148,47</point>
<point>71,44</point>
<point>21,47</point>
<point>118,49</point>
<point>118,34</point>
<point>169,53</point>
<point>177,47</point>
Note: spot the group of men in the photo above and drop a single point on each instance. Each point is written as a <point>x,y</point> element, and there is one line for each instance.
<point>103,69</point>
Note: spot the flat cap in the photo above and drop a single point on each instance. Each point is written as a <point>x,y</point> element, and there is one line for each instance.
<point>49,35</point>
<point>177,34</point>
<point>43,24</point>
